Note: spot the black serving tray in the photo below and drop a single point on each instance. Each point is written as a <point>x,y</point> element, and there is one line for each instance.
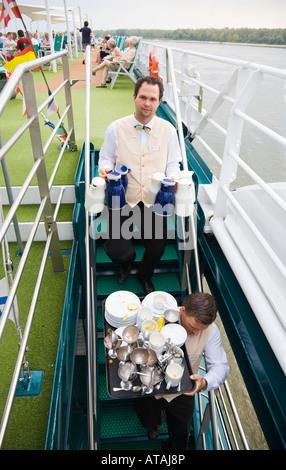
<point>113,379</point>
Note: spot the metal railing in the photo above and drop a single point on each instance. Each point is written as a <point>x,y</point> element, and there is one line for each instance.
<point>90,297</point>
<point>231,114</point>
<point>24,72</point>
<point>181,101</point>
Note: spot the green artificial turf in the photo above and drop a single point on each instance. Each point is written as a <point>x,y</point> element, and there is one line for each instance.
<point>27,424</point>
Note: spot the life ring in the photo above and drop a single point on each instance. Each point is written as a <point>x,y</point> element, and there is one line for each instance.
<point>153,64</point>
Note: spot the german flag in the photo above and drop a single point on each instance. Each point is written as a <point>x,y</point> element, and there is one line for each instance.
<point>26,55</point>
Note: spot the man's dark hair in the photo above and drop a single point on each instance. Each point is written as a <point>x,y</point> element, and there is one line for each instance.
<point>150,80</point>
<point>20,33</point>
<point>86,23</point>
<point>202,306</point>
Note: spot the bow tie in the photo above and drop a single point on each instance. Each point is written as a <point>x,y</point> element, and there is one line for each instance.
<point>146,128</point>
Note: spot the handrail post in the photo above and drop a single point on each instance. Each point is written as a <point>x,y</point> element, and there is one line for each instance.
<point>37,148</point>
<point>66,74</point>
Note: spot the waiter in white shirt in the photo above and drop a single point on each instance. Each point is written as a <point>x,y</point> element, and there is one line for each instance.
<point>197,316</point>
<point>145,144</point>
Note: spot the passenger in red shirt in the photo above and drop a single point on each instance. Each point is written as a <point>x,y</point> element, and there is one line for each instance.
<point>22,40</point>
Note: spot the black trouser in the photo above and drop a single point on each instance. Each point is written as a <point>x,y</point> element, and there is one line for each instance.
<point>178,413</point>
<point>104,54</point>
<point>152,230</point>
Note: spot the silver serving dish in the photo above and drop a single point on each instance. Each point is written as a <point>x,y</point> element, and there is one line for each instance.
<point>139,356</point>
<point>152,357</point>
<point>130,334</point>
<point>127,371</point>
<point>150,376</point>
<point>123,353</point>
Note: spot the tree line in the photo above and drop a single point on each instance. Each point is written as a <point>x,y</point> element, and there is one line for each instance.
<point>237,35</point>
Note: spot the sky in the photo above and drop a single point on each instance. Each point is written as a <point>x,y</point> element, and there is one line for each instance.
<point>174,14</point>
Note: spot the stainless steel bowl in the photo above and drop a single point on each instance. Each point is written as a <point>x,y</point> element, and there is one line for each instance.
<point>127,371</point>
<point>130,334</point>
<point>124,352</point>
<point>139,356</point>
<point>150,376</point>
<point>152,357</point>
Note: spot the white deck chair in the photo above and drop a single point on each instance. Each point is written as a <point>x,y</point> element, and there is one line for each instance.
<point>123,71</point>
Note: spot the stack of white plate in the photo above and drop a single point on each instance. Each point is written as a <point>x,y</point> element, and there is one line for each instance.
<point>158,308</point>
<point>121,308</point>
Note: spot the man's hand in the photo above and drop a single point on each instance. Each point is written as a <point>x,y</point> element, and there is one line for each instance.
<point>103,172</point>
<point>200,384</point>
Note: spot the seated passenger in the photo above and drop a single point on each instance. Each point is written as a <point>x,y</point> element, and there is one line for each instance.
<point>112,64</point>
<point>46,40</point>
<point>22,41</point>
<point>9,47</point>
<point>104,49</point>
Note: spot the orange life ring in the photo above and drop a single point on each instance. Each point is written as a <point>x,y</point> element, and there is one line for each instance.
<point>153,64</point>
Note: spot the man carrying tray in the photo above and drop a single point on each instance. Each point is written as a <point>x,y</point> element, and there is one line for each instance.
<point>197,316</point>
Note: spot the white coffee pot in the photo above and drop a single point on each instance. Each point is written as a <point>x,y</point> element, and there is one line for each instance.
<point>154,187</point>
<point>184,197</point>
<point>95,196</point>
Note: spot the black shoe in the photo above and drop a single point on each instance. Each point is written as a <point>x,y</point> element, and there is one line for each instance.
<point>124,270</point>
<point>147,285</point>
<point>154,433</point>
<point>83,61</point>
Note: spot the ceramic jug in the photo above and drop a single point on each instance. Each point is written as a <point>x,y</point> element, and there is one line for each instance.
<point>184,197</point>
<point>123,170</point>
<point>115,192</point>
<point>95,196</point>
<point>165,198</point>
<point>154,187</point>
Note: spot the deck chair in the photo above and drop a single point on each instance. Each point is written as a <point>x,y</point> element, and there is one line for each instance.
<point>123,71</point>
<point>58,46</point>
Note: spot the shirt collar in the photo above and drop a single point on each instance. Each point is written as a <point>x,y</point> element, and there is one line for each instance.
<point>149,124</point>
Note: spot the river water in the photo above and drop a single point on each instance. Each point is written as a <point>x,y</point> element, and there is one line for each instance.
<point>268,105</point>
<point>268,160</point>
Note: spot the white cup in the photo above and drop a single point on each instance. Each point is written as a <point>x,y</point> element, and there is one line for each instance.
<point>173,375</point>
<point>160,301</point>
<point>144,314</point>
<point>148,327</point>
<point>157,342</point>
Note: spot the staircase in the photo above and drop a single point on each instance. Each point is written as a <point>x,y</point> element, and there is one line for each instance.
<point>119,427</point>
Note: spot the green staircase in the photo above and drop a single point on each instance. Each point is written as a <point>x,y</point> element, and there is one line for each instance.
<point>118,424</point>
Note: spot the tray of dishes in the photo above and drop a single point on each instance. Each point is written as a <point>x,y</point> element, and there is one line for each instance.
<point>142,361</point>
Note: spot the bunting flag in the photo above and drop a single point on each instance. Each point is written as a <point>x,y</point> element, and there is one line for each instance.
<point>24,110</point>
<point>4,291</point>
<point>24,56</point>
<point>52,107</point>
<point>3,70</point>
<point>9,10</point>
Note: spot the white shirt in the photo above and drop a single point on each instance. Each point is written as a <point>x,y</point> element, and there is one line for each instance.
<point>108,152</point>
<point>215,356</point>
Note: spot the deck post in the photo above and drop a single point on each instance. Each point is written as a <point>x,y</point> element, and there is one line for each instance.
<point>66,73</point>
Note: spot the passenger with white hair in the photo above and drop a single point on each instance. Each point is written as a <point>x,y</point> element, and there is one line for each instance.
<point>112,62</point>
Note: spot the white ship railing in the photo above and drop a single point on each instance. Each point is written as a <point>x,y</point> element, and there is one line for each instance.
<point>23,72</point>
<point>249,222</point>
